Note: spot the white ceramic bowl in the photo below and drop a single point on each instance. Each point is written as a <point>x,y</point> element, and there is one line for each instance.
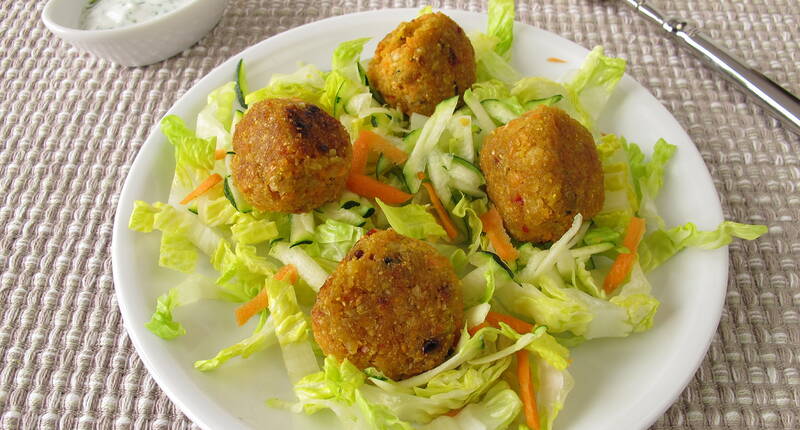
<point>139,44</point>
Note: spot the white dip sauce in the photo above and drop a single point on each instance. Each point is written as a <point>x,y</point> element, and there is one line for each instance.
<point>108,14</point>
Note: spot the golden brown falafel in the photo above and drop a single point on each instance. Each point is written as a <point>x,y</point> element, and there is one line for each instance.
<point>393,303</point>
<point>541,169</point>
<point>291,156</point>
<point>423,62</point>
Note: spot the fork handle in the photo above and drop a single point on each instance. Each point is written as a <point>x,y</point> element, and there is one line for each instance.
<point>775,99</point>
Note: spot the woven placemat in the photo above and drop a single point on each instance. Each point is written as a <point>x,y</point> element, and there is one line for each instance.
<point>71,125</point>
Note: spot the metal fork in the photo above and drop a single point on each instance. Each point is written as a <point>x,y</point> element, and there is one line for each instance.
<point>775,99</point>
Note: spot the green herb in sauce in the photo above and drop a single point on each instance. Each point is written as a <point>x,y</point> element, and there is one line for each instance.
<point>109,14</point>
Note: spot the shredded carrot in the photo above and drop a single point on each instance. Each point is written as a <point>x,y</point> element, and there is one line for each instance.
<point>219,154</point>
<point>556,60</point>
<point>360,156</point>
<point>202,188</point>
<point>453,412</point>
<point>367,187</point>
<point>527,393</point>
<point>495,318</point>
<point>260,302</point>
<point>378,143</point>
<point>287,273</point>
<point>477,328</point>
<point>444,217</point>
<point>493,227</point>
<point>624,262</point>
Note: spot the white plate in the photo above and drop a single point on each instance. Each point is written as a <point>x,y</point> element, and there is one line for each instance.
<point>619,383</point>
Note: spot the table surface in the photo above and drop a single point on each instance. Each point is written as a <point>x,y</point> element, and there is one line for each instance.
<point>71,125</point>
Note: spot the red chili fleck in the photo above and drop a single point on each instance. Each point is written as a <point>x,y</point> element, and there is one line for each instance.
<point>525,229</point>
<point>373,230</point>
<point>518,199</point>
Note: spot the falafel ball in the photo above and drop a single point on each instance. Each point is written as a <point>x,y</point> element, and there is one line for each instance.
<point>393,303</point>
<point>423,62</point>
<point>541,169</point>
<point>291,156</point>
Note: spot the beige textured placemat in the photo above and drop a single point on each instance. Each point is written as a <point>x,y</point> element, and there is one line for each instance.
<point>71,125</point>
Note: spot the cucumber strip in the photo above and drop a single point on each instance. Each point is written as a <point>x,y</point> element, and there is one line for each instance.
<point>474,103</point>
<point>307,268</point>
<point>465,176</point>
<point>381,166</point>
<point>417,120</point>
<point>427,141</point>
<point>499,110</point>
<point>547,101</point>
<point>410,140</point>
<point>302,230</point>
<point>461,144</point>
<point>241,83</point>
<point>342,215</point>
<point>362,74</point>
<point>235,197</point>
<point>439,178</point>
<point>350,204</point>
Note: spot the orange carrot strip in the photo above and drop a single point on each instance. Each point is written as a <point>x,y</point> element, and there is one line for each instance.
<point>261,300</point>
<point>287,273</point>
<point>360,155</point>
<point>495,318</point>
<point>202,188</point>
<point>527,393</point>
<point>219,154</point>
<point>367,187</point>
<point>379,143</point>
<point>444,217</point>
<point>493,227</point>
<point>453,412</point>
<point>476,328</point>
<point>624,262</point>
<point>556,60</point>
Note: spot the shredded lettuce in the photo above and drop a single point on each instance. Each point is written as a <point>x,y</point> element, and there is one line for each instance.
<point>194,156</point>
<point>336,238</point>
<point>593,84</point>
<point>262,338</point>
<point>658,246</point>
<point>307,83</point>
<point>192,289</point>
<point>216,119</point>
<point>501,25</point>
<point>412,220</point>
<point>292,330</point>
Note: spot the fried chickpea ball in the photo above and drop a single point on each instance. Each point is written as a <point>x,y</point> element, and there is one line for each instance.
<point>393,303</point>
<point>541,170</point>
<point>291,156</point>
<point>423,62</point>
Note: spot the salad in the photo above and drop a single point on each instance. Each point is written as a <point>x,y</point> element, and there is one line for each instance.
<point>524,304</point>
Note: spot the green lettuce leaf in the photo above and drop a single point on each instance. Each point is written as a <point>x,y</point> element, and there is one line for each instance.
<point>552,387</point>
<point>496,411</point>
<point>307,84</point>
<point>336,238</point>
<point>412,220</point>
<point>292,330</point>
<point>594,83</point>
<point>142,217</point>
<point>490,64</point>
<point>191,290</point>
<point>194,157</point>
<point>501,25</point>
<point>658,246</point>
<point>262,338</point>
<point>216,118</point>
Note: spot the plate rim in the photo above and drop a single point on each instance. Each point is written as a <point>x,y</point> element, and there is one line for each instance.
<point>120,218</point>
